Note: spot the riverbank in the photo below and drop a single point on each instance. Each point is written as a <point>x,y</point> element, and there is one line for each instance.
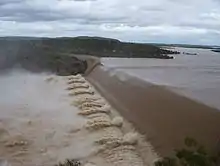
<point>164,117</point>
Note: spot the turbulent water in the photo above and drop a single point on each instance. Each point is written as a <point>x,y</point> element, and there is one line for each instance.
<point>38,126</point>
<point>195,76</point>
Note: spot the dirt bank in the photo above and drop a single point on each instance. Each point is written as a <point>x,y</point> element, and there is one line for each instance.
<point>164,117</point>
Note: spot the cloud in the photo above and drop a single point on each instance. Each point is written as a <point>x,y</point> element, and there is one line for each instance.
<point>141,20</point>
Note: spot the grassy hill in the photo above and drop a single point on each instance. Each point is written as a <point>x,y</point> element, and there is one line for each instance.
<point>50,53</point>
<point>104,47</point>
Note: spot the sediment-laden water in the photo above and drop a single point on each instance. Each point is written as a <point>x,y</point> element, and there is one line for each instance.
<point>46,119</point>
<point>38,126</point>
<point>195,76</point>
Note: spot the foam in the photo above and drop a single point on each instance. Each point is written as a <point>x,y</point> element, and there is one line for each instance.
<point>38,126</point>
<point>76,92</point>
<point>112,145</point>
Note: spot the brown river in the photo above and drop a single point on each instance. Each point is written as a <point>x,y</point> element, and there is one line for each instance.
<point>38,126</point>
<point>195,76</point>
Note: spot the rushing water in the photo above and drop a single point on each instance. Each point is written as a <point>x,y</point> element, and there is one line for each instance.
<point>195,76</point>
<point>38,124</point>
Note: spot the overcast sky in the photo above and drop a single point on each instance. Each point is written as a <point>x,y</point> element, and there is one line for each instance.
<point>170,21</point>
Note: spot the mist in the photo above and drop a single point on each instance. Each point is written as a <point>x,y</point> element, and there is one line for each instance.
<point>37,123</point>
<point>38,56</point>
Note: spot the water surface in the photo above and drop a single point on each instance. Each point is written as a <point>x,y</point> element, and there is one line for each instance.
<point>38,124</point>
<point>195,76</point>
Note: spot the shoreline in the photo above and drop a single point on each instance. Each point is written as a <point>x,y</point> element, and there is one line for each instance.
<point>164,117</point>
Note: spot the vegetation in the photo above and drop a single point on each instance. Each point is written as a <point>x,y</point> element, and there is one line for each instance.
<point>68,162</point>
<point>39,54</point>
<point>216,50</point>
<point>193,155</point>
<point>101,47</point>
<point>34,56</point>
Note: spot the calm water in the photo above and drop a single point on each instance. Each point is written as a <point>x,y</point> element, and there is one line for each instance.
<point>195,76</point>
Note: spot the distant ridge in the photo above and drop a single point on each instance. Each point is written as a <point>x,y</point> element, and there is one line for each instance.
<point>55,54</point>
<point>97,38</point>
<point>96,46</point>
<point>187,45</point>
<point>18,38</point>
<point>109,39</point>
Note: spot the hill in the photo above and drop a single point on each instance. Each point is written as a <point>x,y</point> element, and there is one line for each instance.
<point>49,53</point>
<point>97,46</point>
<point>105,47</point>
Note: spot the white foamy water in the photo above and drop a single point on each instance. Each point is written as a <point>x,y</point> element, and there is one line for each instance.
<point>38,126</point>
<point>195,76</point>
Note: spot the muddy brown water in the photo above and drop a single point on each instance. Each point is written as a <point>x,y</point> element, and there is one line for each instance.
<point>164,117</point>
<point>38,126</point>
